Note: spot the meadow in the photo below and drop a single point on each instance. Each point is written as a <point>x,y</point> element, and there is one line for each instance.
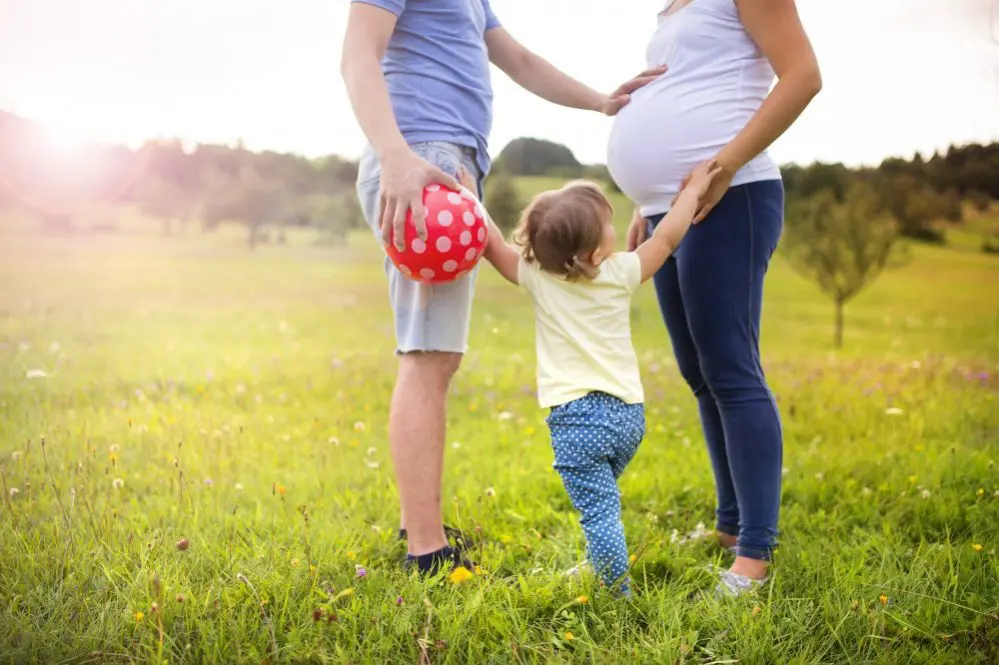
<point>195,468</point>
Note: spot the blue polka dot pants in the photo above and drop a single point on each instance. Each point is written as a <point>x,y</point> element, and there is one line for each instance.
<point>594,438</point>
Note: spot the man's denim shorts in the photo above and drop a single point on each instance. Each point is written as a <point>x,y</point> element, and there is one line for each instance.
<point>428,317</point>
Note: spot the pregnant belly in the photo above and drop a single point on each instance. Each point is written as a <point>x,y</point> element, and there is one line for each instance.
<point>659,138</point>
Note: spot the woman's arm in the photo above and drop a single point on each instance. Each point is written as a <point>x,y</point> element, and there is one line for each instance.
<point>776,28</point>
<point>535,74</point>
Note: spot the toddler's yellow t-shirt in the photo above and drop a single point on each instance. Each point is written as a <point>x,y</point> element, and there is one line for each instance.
<point>583,331</point>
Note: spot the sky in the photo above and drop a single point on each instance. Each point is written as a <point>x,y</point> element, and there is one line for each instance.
<point>899,75</point>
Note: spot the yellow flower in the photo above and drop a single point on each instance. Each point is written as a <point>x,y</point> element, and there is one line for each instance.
<point>569,636</point>
<point>976,547</point>
<point>633,558</point>
<point>351,556</point>
<point>294,562</point>
<point>139,616</point>
<point>912,479</point>
<point>113,458</point>
<point>583,600</point>
<point>312,569</point>
<point>757,610</point>
<point>460,575</point>
<point>281,490</point>
<point>980,492</point>
<point>506,539</point>
<point>883,599</point>
<point>529,431</point>
<point>473,407</point>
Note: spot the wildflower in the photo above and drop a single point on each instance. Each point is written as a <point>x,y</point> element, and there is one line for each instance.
<point>317,614</point>
<point>112,458</point>
<point>332,618</point>
<point>371,464</point>
<point>819,476</point>
<point>633,558</point>
<point>980,493</point>
<point>359,427</point>
<point>280,489</point>
<point>490,492</point>
<point>360,571</point>
<point>582,600</point>
<point>16,455</point>
<point>372,450</point>
<point>456,445</point>
<point>399,601</point>
<point>569,636</point>
<point>506,539</point>
<point>894,411</point>
<point>312,568</point>
<point>504,415</point>
<point>36,374</point>
<point>883,599</point>
<point>460,575</point>
<point>351,555</point>
<point>294,563</point>
<point>118,483</point>
<point>114,447</point>
<point>209,483</point>
<point>14,492</point>
<point>757,610</point>
<point>473,407</point>
<point>180,598</point>
<point>154,608</point>
<point>529,431</point>
<point>926,494</point>
<point>976,547</point>
<point>912,479</point>
<point>183,544</point>
<point>139,616</point>
<point>867,491</point>
<point>239,487</point>
<point>333,441</point>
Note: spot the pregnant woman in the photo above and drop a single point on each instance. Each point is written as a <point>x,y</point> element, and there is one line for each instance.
<point>715,102</point>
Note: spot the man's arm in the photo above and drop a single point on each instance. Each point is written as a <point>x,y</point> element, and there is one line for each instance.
<point>535,74</point>
<point>403,173</point>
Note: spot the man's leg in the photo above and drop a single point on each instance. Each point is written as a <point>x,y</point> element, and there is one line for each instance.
<point>416,431</point>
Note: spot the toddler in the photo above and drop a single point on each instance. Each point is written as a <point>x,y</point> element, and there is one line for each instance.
<point>564,257</point>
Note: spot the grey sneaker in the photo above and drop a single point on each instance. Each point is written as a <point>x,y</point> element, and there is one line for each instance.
<point>733,585</point>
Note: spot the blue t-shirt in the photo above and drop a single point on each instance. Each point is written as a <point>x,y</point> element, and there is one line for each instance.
<point>437,71</point>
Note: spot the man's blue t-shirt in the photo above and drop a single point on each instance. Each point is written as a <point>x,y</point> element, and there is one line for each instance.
<point>437,71</point>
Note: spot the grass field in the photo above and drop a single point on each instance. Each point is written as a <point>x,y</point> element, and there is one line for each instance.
<point>195,469</point>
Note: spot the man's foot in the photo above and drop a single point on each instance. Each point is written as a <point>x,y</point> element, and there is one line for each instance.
<point>456,536</point>
<point>432,563</point>
<point>733,585</point>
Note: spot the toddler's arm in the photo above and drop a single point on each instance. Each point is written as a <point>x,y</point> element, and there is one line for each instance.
<point>653,252</point>
<point>504,258</point>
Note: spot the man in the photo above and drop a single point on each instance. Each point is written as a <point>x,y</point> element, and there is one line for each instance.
<point>417,73</point>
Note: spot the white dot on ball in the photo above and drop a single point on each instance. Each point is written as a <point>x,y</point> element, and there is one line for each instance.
<point>453,198</point>
<point>450,266</point>
<point>479,210</point>
<point>443,244</point>
<point>444,218</point>
<point>467,194</point>
<point>427,273</point>
<point>470,254</point>
<point>468,218</point>
<point>465,238</point>
<point>419,246</point>
<point>433,188</point>
<point>481,233</point>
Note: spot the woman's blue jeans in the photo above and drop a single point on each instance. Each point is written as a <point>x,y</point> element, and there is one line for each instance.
<point>710,294</point>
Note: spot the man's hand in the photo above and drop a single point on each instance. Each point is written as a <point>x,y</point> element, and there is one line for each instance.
<point>403,176</point>
<point>467,180</point>
<point>638,231</point>
<point>618,99</point>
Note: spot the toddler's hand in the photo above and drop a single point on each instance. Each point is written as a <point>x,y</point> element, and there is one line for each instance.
<point>467,181</point>
<point>702,177</point>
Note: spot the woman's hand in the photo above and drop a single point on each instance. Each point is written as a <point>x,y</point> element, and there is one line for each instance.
<point>638,231</point>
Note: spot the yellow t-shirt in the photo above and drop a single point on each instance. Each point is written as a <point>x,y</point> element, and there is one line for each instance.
<point>583,331</point>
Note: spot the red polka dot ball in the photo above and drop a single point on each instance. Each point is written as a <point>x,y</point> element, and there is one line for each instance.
<point>456,237</point>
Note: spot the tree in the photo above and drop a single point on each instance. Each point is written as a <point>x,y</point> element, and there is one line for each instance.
<point>502,200</point>
<point>525,156</point>
<point>841,246</point>
<point>165,201</point>
<point>334,216</point>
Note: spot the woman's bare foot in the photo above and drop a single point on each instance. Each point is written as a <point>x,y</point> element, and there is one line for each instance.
<point>754,569</point>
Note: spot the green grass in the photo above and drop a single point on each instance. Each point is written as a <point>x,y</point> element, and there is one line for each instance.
<point>231,392</point>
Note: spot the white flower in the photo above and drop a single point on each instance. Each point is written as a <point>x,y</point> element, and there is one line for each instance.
<point>867,491</point>
<point>819,476</point>
<point>334,441</point>
<point>784,471</point>
<point>926,494</point>
<point>456,445</point>
<point>36,374</point>
<point>240,388</point>
<point>114,447</point>
<point>54,347</point>
<point>16,455</point>
<point>14,491</point>
<point>24,346</point>
<point>239,487</point>
<point>118,483</point>
<point>490,491</point>
<point>360,426</point>
<point>894,411</point>
<point>505,415</point>
<point>372,450</point>
<point>371,464</point>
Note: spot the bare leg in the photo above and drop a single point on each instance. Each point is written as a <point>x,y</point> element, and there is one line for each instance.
<point>416,430</point>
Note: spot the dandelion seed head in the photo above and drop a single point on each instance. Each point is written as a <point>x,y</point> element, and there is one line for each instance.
<point>359,427</point>
<point>118,483</point>
<point>13,491</point>
<point>926,494</point>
